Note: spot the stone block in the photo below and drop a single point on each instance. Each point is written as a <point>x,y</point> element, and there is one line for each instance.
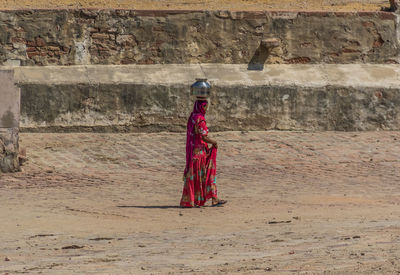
<point>9,122</point>
<point>9,148</point>
<point>10,100</point>
<point>100,36</point>
<point>40,42</point>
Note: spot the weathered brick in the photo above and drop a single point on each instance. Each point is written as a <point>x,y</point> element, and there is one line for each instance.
<point>378,43</point>
<point>40,42</point>
<point>18,40</point>
<point>31,54</point>
<point>299,60</point>
<point>104,53</point>
<point>387,15</point>
<point>368,24</point>
<point>128,61</point>
<point>348,50</point>
<point>102,36</point>
<point>31,43</point>
<point>31,49</point>
<point>146,61</point>
<point>53,48</point>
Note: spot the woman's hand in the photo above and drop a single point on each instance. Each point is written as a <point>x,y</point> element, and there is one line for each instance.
<point>209,140</point>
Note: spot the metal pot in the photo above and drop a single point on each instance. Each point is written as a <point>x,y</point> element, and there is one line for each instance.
<point>201,88</point>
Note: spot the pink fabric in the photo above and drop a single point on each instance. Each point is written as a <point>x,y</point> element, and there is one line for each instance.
<point>200,130</point>
<point>201,162</point>
<point>200,174</point>
<point>196,116</point>
<point>199,183</point>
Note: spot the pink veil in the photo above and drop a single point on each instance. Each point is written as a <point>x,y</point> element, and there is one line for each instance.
<point>198,112</point>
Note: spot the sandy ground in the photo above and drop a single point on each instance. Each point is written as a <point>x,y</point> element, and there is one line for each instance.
<point>234,5</point>
<point>299,203</point>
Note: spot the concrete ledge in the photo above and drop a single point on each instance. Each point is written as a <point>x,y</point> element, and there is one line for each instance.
<point>156,97</point>
<point>317,75</point>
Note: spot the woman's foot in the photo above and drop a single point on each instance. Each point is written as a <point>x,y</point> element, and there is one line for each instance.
<point>218,202</point>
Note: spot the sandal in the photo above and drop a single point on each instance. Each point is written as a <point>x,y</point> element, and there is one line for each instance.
<point>219,203</point>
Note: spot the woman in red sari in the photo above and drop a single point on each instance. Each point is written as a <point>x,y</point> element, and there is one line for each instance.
<point>201,161</point>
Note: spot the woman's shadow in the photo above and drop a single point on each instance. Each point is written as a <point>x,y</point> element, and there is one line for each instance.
<point>150,206</point>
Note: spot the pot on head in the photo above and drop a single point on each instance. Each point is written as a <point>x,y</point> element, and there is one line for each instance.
<point>200,89</point>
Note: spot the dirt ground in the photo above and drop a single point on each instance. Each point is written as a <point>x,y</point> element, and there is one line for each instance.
<point>234,5</point>
<point>298,203</point>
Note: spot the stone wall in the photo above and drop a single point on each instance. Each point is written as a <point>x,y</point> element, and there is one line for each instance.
<point>138,108</point>
<point>71,37</point>
<point>156,97</point>
<point>9,150</point>
<point>9,122</point>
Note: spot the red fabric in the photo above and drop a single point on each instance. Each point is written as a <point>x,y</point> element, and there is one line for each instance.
<point>197,115</point>
<point>200,173</point>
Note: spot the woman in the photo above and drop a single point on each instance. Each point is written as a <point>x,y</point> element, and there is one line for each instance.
<point>199,176</point>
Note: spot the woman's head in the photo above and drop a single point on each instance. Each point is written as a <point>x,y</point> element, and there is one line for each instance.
<point>200,106</point>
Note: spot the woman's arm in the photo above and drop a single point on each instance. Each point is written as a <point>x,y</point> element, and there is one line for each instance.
<point>209,140</point>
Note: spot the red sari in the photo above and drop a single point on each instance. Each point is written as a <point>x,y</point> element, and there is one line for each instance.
<point>201,162</point>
